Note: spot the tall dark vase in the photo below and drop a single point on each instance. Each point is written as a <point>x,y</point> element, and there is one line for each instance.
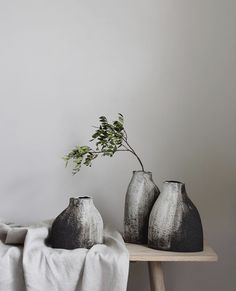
<point>140,197</point>
<point>80,225</point>
<point>175,224</point>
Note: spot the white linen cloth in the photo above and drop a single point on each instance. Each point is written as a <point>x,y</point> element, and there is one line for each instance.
<point>34,266</point>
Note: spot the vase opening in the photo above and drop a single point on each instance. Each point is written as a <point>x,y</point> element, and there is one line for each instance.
<point>80,200</point>
<point>84,200</point>
<point>174,182</point>
<point>84,197</point>
<point>175,186</point>
<point>140,171</point>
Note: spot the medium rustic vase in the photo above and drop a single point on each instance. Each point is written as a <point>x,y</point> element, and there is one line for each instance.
<point>175,224</point>
<point>140,197</point>
<point>80,225</point>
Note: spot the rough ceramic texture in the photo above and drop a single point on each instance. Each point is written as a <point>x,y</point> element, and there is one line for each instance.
<point>140,197</point>
<point>80,225</point>
<point>175,223</point>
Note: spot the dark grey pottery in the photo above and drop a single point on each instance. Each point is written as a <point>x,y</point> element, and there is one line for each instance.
<point>140,197</point>
<point>80,225</point>
<point>175,224</point>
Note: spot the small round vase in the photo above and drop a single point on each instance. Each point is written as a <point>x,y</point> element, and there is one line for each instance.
<point>80,225</point>
<point>175,224</point>
<point>140,197</point>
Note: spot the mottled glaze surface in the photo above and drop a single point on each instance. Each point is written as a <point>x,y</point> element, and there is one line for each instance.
<point>80,225</point>
<point>140,197</point>
<point>175,223</point>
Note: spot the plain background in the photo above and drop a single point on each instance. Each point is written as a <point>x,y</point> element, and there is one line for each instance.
<point>168,66</point>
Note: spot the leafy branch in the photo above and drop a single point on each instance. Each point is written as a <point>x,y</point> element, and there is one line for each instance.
<point>109,138</point>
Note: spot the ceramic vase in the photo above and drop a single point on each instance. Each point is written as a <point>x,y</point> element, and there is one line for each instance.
<point>80,225</point>
<point>140,197</point>
<point>175,224</point>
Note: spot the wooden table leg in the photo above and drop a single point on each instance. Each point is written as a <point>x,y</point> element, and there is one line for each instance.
<point>156,276</point>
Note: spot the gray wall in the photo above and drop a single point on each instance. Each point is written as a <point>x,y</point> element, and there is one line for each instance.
<point>168,66</point>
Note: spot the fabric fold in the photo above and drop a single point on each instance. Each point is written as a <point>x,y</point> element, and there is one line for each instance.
<point>38,267</point>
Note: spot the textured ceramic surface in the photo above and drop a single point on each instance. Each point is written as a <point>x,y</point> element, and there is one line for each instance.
<point>175,223</point>
<point>140,197</point>
<point>80,225</point>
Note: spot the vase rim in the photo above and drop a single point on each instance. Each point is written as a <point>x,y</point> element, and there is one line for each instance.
<point>80,198</point>
<point>85,197</point>
<point>141,171</point>
<point>173,182</point>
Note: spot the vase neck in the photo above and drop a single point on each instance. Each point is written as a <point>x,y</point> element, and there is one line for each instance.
<point>174,187</point>
<point>82,200</point>
<point>142,174</point>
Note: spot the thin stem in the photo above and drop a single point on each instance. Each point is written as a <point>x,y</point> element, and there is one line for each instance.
<point>139,160</point>
<point>126,148</point>
<point>130,149</point>
<point>126,135</point>
<point>133,152</point>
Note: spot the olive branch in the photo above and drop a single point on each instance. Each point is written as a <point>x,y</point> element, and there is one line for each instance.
<point>109,139</point>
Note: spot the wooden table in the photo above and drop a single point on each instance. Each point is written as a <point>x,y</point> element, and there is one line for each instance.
<point>154,258</point>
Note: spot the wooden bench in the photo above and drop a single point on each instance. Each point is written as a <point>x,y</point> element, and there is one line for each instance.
<point>155,258</point>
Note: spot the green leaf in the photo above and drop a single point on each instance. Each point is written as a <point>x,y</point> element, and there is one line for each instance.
<point>121,118</point>
<point>108,138</point>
